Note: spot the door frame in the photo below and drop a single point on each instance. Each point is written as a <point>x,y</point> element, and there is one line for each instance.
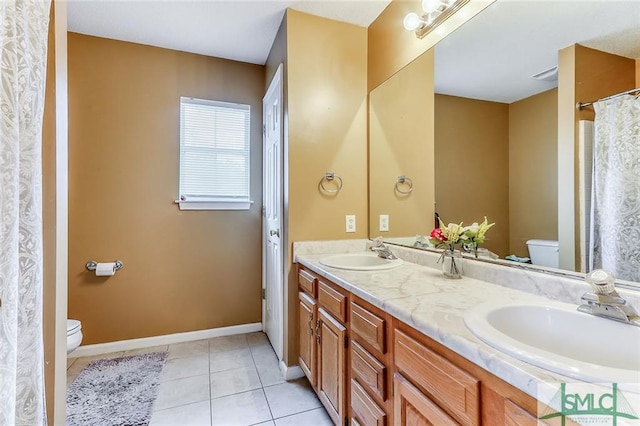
<point>277,78</point>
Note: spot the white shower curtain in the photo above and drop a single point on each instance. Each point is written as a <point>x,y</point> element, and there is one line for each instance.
<point>23,53</point>
<point>615,207</point>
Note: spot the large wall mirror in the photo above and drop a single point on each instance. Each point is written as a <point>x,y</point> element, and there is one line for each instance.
<point>470,128</point>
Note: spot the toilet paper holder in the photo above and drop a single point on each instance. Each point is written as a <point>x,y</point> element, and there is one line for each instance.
<point>92,265</point>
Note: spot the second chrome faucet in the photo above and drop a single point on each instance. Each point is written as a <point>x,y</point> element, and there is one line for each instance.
<point>382,250</point>
<point>605,301</point>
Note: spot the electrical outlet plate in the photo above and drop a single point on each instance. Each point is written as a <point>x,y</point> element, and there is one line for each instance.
<point>350,223</point>
<point>384,222</point>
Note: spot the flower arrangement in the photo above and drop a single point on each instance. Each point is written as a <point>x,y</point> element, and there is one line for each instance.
<point>475,234</point>
<point>449,235</point>
<point>453,234</point>
<point>467,236</point>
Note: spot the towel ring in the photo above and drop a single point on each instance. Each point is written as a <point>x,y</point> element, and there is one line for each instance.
<point>402,180</point>
<point>329,177</point>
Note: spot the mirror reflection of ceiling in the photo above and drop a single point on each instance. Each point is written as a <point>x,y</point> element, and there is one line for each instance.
<point>494,56</point>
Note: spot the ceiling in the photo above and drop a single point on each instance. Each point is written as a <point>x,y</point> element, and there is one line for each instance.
<point>240,30</point>
<point>492,57</point>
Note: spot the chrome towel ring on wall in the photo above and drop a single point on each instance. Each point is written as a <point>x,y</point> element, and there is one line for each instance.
<point>331,177</point>
<point>404,185</point>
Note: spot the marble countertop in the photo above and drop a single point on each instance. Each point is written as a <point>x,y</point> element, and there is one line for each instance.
<point>423,298</point>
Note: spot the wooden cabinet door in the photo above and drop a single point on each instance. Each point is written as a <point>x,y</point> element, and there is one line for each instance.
<point>412,408</point>
<point>331,365</point>
<point>449,386</point>
<point>514,415</point>
<point>307,317</point>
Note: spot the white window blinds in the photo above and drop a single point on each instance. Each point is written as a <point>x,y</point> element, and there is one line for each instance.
<point>214,154</point>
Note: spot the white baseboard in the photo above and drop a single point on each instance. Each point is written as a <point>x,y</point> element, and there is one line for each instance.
<point>169,339</point>
<point>291,372</point>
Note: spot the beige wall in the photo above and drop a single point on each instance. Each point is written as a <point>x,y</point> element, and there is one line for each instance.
<point>327,131</point>
<point>278,55</point>
<point>391,47</point>
<point>584,75</point>
<point>49,222</point>
<point>599,74</point>
<point>54,197</point>
<point>533,170</point>
<point>566,153</point>
<point>183,270</point>
<point>501,163</point>
<point>472,172</point>
<point>401,142</point>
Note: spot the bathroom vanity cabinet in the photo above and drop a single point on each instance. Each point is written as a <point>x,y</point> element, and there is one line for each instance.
<point>370,369</point>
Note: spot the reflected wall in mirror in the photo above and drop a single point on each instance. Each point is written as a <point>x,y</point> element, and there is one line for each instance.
<point>506,157</point>
<point>505,144</point>
<point>401,144</point>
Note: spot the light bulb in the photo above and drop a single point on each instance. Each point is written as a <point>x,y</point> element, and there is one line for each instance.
<point>412,21</point>
<point>430,6</point>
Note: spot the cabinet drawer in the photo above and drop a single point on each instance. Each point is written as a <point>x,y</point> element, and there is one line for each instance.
<point>369,371</point>
<point>453,389</point>
<point>307,282</point>
<point>365,410</point>
<point>333,301</point>
<point>369,327</point>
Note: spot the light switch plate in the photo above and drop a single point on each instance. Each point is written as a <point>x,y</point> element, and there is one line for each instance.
<point>350,223</point>
<point>384,222</point>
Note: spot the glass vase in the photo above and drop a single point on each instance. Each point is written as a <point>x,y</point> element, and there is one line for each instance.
<point>471,248</point>
<point>452,264</point>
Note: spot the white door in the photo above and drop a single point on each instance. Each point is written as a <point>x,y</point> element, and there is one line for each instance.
<point>273,266</point>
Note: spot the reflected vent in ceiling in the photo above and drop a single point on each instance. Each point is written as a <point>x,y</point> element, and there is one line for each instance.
<point>547,75</point>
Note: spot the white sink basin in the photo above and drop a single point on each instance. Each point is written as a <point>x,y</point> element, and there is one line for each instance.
<point>359,262</point>
<point>556,337</point>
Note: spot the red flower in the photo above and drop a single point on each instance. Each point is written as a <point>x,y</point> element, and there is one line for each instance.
<point>438,235</point>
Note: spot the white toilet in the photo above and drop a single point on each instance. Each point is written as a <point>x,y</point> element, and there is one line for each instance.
<point>74,335</point>
<point>544,253</point>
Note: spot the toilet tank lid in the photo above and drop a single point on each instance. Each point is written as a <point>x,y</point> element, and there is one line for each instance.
<point>73,325</point>
<point>546,243</point>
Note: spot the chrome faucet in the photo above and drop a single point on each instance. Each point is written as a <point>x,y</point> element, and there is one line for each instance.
<point>605,301</point>
<point>422,242</point>
<point>382,250</point>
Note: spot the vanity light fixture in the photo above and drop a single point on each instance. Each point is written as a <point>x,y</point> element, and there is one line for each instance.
<point>435,12</point>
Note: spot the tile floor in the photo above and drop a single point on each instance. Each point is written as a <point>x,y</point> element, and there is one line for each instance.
<point>229,381</point>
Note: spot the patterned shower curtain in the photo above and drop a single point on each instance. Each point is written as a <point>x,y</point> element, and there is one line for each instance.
<point>23,54</point>
<point>615,207</point>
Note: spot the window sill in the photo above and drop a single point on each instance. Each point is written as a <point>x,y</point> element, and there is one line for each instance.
<point>214,205</point>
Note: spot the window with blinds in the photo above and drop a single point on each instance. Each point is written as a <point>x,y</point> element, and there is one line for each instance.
<point>214,155</point>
